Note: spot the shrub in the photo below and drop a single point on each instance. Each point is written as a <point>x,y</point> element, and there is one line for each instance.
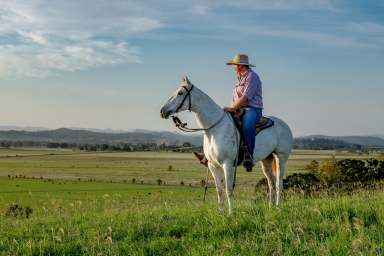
<point>313,167</point>
<point>16,210</point>
<point>375,169</point>
<point>302,181</point>
<point>352,170</point>
<point>328,171</point>
<point>262,183</point>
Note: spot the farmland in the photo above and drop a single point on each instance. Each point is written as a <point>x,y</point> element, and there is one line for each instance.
<point>172,168</point>
<point>86,204</point>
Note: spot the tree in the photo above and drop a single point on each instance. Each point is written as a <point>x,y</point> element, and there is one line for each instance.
<point>328,171</point>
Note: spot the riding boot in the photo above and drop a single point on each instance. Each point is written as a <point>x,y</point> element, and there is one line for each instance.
<point>248,161</point>
<point>201,157</point>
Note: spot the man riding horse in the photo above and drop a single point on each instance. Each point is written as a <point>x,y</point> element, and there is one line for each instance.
<point>247,104</point>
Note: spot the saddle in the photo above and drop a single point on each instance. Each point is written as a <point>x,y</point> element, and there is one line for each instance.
<point>263,123</point>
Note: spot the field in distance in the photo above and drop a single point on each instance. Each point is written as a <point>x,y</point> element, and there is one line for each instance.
<point>147,167</point>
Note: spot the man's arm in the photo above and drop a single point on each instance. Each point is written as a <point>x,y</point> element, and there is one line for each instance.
<point>240,102</point>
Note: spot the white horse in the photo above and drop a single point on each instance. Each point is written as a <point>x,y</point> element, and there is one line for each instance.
<point>221,137</point>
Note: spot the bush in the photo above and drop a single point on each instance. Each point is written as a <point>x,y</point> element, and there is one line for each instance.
<point>353,170</point>
<point>302,181</point>
<point>262,183</point>
<point>312,167</point>
<point>346,174</point>
<point>16,210</point>
<point>328,171</point>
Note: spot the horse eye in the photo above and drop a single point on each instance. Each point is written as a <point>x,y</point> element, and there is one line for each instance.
<point>179,93</point>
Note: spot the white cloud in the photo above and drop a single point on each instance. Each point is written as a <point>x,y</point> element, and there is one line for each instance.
<point>50,36</point>
<point>35,61</point>
<point>39,39</point>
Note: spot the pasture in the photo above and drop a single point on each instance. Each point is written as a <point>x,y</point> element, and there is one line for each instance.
<point>172,168</point>
<point>85,204</point>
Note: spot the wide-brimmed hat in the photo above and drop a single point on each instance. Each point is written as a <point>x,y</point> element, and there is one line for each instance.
<point>240,59</point>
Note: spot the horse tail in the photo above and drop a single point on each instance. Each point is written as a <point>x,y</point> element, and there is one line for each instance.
<point>274,165</point>
<point>272,159</point>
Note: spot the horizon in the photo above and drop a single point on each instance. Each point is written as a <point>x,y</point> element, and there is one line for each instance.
<point>112,65</point>
<point>110,130</point>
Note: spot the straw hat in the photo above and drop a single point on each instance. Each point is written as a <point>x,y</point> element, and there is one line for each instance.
<point>240,59</point>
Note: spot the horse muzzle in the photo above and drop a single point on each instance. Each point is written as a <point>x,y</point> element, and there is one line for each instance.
<point>164,113</point>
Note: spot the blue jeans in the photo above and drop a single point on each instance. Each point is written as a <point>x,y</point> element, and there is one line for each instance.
<point>251,116</point>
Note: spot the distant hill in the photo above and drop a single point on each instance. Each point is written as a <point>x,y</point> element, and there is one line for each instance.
<point>92,137</point>
<point>324,143</point>
<point>109,136</point>
<point>360,140</point>
<point>22,128</point>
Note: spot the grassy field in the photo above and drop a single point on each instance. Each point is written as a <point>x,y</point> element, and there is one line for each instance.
<point>72,217</point>
<point>148,167</point>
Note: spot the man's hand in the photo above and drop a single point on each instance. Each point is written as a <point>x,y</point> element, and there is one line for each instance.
<point>229,109</point>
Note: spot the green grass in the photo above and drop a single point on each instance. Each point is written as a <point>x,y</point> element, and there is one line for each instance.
<point>72,217</point>
<point>95,218</point>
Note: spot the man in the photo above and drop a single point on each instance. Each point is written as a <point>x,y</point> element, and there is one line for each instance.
<point>247,100</point>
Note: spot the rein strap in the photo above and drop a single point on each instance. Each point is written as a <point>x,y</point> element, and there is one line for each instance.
<point>183,126</point>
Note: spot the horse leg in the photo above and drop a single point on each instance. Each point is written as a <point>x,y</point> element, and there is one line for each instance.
<point>218,177</point>
<point>229,179</point>
<point>280,169</point>
<point>266,165</point>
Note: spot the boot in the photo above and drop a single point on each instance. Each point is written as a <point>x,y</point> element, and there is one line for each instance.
<point>248,162</point>
<point>201,157</point>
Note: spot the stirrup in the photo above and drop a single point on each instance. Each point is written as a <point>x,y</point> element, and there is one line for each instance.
<point>248,162</point>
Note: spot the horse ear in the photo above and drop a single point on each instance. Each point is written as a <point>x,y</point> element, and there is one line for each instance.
<point>186,80</point>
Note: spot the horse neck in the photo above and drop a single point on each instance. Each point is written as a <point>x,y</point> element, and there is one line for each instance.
<point>206,111</point>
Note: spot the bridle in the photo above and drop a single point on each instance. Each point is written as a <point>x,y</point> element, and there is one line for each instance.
<point>188,94</point>
<point>183,126</point>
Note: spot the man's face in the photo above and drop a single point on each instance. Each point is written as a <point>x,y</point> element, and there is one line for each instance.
<point>239,69</point>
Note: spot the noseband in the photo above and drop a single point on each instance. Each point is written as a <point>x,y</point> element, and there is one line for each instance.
<point>183,126</point>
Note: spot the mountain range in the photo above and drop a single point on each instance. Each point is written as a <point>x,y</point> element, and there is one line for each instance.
<point>92,137</point>
<point>377,140</point>
<point>100,136</point>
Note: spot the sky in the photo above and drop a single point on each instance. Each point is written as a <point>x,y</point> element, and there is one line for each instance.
<point>112,64</point>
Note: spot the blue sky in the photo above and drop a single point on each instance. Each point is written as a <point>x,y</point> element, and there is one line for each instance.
<point>112,64</point>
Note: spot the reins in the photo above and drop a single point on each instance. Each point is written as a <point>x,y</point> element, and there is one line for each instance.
<point>183,126</point>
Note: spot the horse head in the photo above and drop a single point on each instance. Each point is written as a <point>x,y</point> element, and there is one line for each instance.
<point>179,101</point>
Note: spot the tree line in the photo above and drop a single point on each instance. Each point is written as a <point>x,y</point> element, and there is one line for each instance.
<point>126,147</point>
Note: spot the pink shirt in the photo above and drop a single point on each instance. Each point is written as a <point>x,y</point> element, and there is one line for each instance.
<point>249,85</point>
